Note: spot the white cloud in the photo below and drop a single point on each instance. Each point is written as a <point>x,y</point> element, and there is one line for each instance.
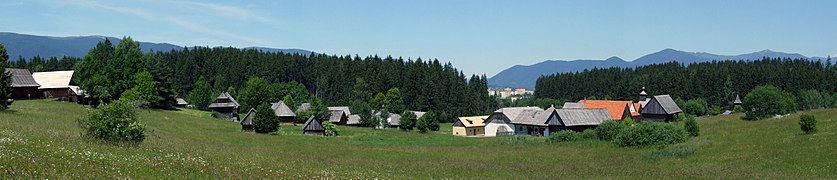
<point>231,11</point>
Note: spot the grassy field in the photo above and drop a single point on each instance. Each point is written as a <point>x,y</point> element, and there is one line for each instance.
<point>41,139</point>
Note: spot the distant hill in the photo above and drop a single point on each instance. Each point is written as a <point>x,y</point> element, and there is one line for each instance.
<point>526,75</point>
<point>77,46</point>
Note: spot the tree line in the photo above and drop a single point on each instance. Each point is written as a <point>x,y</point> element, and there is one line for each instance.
<point>39,64</point>
<point>425,85</point>
<point>716,82</point>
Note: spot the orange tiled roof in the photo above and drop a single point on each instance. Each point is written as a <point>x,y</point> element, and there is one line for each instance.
<point>616,108</point>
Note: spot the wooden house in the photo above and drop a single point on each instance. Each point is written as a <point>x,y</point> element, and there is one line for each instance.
<point>660,108</point>
<point>339,115</point>
<point>58,85</point>
<point>353,120</point>
<point>619,110</point>
<point>500,122</point>
<point>225,106</point>
<point>394,120</point>
<point>577,119</point>
<point>285,114</point>
<point>247,122</point>
<point>23,85</point>
<point>180,102</point>
<point>470,126</point>
<point>313,127</point>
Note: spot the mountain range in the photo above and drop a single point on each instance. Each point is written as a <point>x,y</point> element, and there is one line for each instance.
<point>525,75</point>
<point>29,46</point>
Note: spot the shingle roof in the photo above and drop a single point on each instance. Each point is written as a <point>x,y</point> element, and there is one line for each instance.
<point>578,117</point>
<point>394,119</point>
<point>312,125</point>
<point>282,110</point>
<point>224,100</point>
<point>737,100</point>
<point>668,104</point>
<point>473,121</point>
<point>304,107</point>
<point>248,119</point>
<point>572,105</point>
<point>335,116</point>
<point>513,112</point>
<point>353,119</point>
<point>181,101</point>
<point>341,108</point>
<point>21,78</point>
<point>53,79</point>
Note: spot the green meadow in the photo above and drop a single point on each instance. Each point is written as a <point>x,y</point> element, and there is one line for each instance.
<point>41,139</point>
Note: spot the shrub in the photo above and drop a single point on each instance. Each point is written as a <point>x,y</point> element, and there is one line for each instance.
<point>715,110</point>
<point>563,136</point>
<point>265,120</point>
<point>589,134</point>
<point>408,120</point>
<point>808,124</point>
<point>422,125</point>
<point>692,126</point>
<point>651,133</point>
<point>767,101</point>
<point>738,109</point>
<point>114,122</point>
<point>432,121</point>
<point>330,129</point>
<point>628,121</point>
<point>608,130</point>
<point>694,107</point>
<point>812,99</point>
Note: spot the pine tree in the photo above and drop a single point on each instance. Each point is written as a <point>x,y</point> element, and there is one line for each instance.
<point>407,121</point>
<point>5,80</point>
<point>265,121</point>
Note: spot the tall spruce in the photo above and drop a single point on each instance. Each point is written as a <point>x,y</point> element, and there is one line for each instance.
<point>5,80</point>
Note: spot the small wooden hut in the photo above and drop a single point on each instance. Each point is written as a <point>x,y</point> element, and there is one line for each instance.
<point>225,106</point>
<point>660,108</point>
<point>285,114</point>
<point>23,85</point>
<point>313,127</point>
<point>247,122</point>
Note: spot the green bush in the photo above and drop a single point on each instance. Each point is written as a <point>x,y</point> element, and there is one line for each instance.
<point>408,120</point>
<point>738,109</point>
<point>265,120</point>
<point>114,122</point>
<point>808,124</point>
<point>692,126</point>
<point>563,136</point>
<point>694,107</point>
<point>608,130</point>
<point>651,133</point>
<point>589,134</point>
<point>330,128</point>
<point>628,121</point>
<point>767,101</point>
<point>422,125</point>
<point>715,110</point>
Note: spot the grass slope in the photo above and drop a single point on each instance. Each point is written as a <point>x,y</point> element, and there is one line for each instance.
<point>41,139</point>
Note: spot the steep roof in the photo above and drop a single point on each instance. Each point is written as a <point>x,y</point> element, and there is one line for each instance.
<point>21,78</point>
<point>514,112</point>
<point>661,104</point>
<point>312,125</point>
<point>224,100</point>
<point>181,101</point>
<point>53,79</point>
<point>473,121</point>
<point>616,108</point>
<point>304,107</point>
<point>336,115</point>
<point>248,119</point>
<point>282,110</point>
<point>353,119</point>
<point>579,117</point>
<point>737,100</point>
<point>341,108</point>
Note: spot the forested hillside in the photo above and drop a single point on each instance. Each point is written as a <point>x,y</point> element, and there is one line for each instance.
<point>717,82</point>
<point>426,85</point>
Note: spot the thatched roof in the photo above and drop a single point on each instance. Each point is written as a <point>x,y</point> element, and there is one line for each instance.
<point>224,100</point>
<point>248,119</point>
<point>578,117</point>
<point>312,125</point>
<point>282,110</point>
<point>21,78</point>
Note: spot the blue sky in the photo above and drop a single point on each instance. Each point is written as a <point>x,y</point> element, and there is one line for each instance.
<point>477,36</point>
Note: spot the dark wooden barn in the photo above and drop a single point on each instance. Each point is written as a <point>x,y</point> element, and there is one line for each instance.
<point>225,107</point>
<point>247,122</point>
<point>313,127</point>
<point>577,119</point>
<point>660,108</point>
<point>23,85</point>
